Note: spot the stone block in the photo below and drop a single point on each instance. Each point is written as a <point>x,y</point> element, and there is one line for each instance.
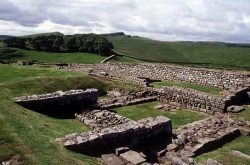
<point>111,159</point>
<point>133,157</point>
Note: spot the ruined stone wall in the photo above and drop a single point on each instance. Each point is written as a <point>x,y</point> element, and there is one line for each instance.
<point>135,73</point>
<point>195,100</point>
<point>200,137</point>
<point>125,134</point>
<point>60,99</point>
<point>200,101</point>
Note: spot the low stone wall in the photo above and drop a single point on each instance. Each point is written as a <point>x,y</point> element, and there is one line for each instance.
<point>128,103</point>
<point>118,98</point>
<point>138,73</point>
<point>200,101</point>
<point>60,100</point>
<point>126,134</point>
<point>195,100</point>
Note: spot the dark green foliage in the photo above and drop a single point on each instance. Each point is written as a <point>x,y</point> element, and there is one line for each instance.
<point>8,54</point>
<point>88,43</point>
<point>16,42</point>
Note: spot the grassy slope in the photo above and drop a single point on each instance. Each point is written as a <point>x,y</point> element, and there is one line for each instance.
<point>126,59</point>
<point>49,57</point>
<point>31,134</point>
<point>137,112</point>
<point>207,89</point>
<point>211,55</point>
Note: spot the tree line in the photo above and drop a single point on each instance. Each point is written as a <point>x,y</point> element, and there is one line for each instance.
<point>89,43</point>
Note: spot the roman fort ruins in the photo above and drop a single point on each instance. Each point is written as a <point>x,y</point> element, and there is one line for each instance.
<point>117,140</point>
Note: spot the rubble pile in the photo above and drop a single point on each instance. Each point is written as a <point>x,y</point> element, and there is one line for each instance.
<point>98,119</point>
<point>201,136</point>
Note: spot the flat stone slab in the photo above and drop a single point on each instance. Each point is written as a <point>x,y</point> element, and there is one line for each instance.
<point>235,109</point>
<point>133,157</point>
<point>111,159</point>
<point>158,106</point>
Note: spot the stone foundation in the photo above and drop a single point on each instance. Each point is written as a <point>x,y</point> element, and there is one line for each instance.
<point>126,134</point>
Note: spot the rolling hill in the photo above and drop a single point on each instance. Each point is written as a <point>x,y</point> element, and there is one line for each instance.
<point>207,54</point>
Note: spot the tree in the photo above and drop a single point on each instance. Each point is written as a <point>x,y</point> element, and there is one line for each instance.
<point>16,42</point>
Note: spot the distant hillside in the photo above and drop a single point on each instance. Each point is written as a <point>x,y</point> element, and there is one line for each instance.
<point>210,54</point>
<point>3,37</point>
<point>43,34</point>
<point>114,34</point>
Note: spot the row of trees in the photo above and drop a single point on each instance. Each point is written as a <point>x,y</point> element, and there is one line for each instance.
<point>90,43</point>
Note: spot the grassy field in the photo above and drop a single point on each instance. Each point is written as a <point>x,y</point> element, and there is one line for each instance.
<point>48,57</point>
<point>31,135</point>
<point>202,88</point>
<point>224,154</point>
<point>180,117</point>
<point>197,54</point>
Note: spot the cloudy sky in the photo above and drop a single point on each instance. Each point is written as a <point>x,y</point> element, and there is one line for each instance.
<point>213,20</point>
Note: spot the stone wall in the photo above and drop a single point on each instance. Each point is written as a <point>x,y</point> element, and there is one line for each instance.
<point>194,100</point>
<point>118,98</point>
<point>139,74</point>
<point>126,134</point>
<point>60,100</point>
<point>200,101</point>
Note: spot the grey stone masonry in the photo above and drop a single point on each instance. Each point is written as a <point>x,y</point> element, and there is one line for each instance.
<point>139,73</point>
<point>128,133</point>
<point>201,101</point>
<point>98,119</point>
<point>195,100</point>
<point>200,137</point>
<point>60,99</point>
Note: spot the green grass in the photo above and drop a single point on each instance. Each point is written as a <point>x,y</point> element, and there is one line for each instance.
<point>224,154</point>
<point>202,88</point>
<point>49,57</point>
<point>198,54</point>
<point>1,44</point>
<point>30,134</point>
<point>180,117</point>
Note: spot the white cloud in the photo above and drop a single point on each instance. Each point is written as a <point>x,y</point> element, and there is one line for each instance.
<point>219,20</point>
